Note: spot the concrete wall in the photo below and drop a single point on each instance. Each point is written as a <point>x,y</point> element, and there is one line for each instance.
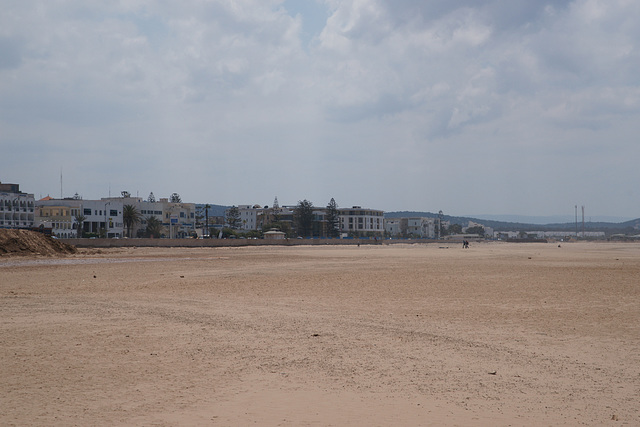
<point>214,243</point>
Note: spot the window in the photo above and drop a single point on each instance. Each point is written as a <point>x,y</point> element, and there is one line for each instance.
<point>87,211</point>
<point>113,212</point>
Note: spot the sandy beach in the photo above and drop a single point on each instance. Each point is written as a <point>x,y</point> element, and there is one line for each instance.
<point>413,335</point>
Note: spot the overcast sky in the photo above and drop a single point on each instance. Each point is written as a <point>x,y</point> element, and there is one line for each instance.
<point>469,107</point>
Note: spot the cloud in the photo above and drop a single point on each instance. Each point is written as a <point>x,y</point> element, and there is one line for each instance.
<point>240,101</point>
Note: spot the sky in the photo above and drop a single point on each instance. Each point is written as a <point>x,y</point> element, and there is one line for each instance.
<point>470,107</point>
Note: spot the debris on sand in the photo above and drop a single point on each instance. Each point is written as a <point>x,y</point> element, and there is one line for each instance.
<point>27,242</point>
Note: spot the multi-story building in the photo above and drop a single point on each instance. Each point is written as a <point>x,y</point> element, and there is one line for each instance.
<point>178,219</point>
<point>419,227</point>
<point>97,217</point>
<point>361,222</point>
<point>249,216</point>
<point>17,209</point>
<point>58,216</point>
<point>354,221</point>
<point>104,217</point>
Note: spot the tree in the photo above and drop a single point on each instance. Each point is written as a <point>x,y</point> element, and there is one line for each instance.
<point>455,229</point>
<point>333,219</point>
<point>303,215</point>
<point>130,217</point>
<point>478,229</point>
<point>276,210</point>
<point>154,227</point>
<point>175,198</point>
<point>79,220</point>
<point>151,198</point>
<point>202,213</point>
<point>233,217</point>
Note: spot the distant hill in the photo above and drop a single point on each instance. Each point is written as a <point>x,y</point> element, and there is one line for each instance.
<point>627,227</point>
<point>554,219</point>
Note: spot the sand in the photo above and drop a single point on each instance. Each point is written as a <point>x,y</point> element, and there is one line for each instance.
<point>415,335</point>
<point>27,242</point>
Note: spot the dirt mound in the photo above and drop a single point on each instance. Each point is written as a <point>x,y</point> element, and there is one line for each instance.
<point>25,242</point>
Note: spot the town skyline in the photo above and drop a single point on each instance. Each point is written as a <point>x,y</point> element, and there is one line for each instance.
<point>502,217</point>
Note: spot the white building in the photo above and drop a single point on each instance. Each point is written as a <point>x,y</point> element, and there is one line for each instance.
<point>104,217</point>
<point>249,216</point>
<point>17,209</point>
<point>420,227</point>
<point>178,219</point>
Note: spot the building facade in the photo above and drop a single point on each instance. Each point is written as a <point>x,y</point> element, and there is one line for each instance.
<point>58,216</point>
<point>17,209</point>
<point>418,227</point>
<point>104,217</point>
<point>354,221</point>
<point>357,221</point>
<point>249,216</point>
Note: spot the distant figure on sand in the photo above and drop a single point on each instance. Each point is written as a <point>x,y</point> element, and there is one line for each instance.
<point>465,244</point>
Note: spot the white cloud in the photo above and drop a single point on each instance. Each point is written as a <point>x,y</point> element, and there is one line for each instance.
<point>373,103</point>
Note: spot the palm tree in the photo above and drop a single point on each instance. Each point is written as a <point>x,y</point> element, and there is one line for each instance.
<point>130,217</point>
<point>154,227</point>
<point>79,220</point>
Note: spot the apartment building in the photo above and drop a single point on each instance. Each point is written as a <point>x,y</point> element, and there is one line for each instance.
<point>353,221</point>
<point>419,227</point>
<point>105,218</point>
<point>59,217</point>
<point>249,216</point>
<point>361,221</point>
<point>17,209</point>
<point>178,219</point>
